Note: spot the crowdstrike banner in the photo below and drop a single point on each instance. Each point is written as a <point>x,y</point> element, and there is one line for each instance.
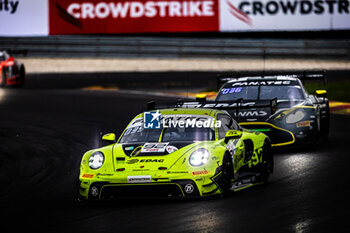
<point>285,15</point>
<point>95,16</point>
<point>55,17</point>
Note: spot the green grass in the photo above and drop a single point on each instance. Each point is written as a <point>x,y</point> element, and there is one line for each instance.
<point>338,91</point>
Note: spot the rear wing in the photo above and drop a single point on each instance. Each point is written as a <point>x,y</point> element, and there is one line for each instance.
<point>314,76</point>
<point>221,79</point>
<point>221,105</point>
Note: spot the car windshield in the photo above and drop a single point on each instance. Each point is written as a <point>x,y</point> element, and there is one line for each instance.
<point>188,134</point>
<point>281,92</point>
<point>139,134</point>
<point>136,133</point>
<point>260,93</point>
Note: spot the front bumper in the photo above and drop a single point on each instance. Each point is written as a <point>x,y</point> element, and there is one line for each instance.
<point>107,191</point>
<point>283,135</point>
<point>13,80</point>
<point>195,186</point>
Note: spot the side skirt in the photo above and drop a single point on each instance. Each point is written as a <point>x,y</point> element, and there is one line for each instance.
<point>246,180</point>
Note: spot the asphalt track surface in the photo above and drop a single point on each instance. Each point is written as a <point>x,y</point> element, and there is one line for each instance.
<point>44,133</point>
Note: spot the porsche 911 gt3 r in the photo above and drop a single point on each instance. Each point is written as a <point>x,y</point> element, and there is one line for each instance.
<point>194,152</point>
<point>299,117</point>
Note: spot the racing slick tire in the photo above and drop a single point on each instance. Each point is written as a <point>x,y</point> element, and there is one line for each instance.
<point>266,167</point>
<point>3,78</point>
<point>226,173</point>
<point>324,123</point>
<point>22,74</point>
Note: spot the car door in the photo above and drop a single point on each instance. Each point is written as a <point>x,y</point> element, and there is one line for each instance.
<point>234,146</point>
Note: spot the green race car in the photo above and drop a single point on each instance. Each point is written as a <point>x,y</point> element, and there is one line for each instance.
<point>176,153</point>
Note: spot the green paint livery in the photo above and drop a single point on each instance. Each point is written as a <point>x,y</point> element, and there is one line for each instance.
<point>232,159</point>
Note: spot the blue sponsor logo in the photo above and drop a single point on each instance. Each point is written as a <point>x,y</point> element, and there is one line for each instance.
<point>231,90</point>
<point>151,120</point>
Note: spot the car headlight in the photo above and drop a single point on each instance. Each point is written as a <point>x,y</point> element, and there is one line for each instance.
<point>96,160</point>
<point>294,117</point>
<point>199,157</point>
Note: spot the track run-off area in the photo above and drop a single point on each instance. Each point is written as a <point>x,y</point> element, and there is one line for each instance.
<point>44,133</point>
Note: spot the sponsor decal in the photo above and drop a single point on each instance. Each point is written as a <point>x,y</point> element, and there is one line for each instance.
<point>262,83</point>
<point>251,113</point>
<point>189,188</point>
<point>258,15</point>
<point>133,161</point>
<point>129,148</point>
<point>177,172</point>
<point>8,6</point>
<point>304,7</point>
<point>154,147</point>
<point>133,129</point>
<point>136,123</point>
<point>231,146</point>
<point>303,124</point>
<point>260,130</point>
<point>198,173</point>
<point>138,179</point>
<point>170,149</point>
<point>214,105</point>
<point>123,16</point>
<point>231,90</point>
<point>94,191</point>
<point>88,176</point>
<point>99,174</point>
<point>237,159</point>
<point>138,9</point>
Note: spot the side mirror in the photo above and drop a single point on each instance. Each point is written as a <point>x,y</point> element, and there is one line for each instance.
<point>110,137</point>
<point>321,93</point>
<point>201,97</point>
<point>232,134</point>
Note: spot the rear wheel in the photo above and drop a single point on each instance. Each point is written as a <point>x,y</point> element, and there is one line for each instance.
<point>22,74</point>
<point>226,173</point>
<point>3,79</point>
<point>266,167</point>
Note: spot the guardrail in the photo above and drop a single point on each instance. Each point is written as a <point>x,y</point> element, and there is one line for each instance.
<point>174,47</point>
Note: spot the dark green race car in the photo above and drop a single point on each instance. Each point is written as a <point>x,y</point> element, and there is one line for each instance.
<point>298,117</point>
<point>277,105</point>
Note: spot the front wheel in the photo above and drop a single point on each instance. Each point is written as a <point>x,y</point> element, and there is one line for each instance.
<point>226,173</point>
<point>267,165</point>
<point>325,122</point>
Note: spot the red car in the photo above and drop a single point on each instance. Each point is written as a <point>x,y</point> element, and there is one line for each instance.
<point>12,73</point>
